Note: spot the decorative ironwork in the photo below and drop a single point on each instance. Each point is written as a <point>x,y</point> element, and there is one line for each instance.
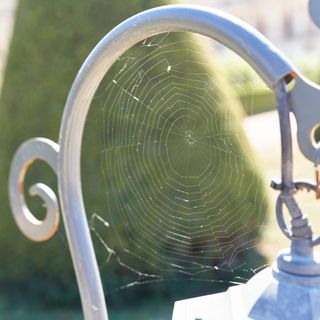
<point>264,58</point>
<point>30,226</point>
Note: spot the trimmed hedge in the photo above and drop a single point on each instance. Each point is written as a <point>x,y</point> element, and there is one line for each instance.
<point>51,39</point>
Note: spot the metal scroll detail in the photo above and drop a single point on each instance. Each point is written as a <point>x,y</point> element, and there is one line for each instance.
<point>30,226</point>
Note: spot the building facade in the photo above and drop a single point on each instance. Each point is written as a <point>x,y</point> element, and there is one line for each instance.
<point>286,23</point>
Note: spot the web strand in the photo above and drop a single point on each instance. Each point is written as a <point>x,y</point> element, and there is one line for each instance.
<point>182,197</point>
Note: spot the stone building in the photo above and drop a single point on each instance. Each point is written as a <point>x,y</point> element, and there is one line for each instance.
<point>285,22</point>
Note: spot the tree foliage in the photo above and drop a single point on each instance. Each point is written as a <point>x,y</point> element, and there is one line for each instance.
<point>51,40</point>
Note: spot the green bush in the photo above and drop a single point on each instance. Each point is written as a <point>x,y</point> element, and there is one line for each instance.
<point>258,101</point>
<point>51,40</point>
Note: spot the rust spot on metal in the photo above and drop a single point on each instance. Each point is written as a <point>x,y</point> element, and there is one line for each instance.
<point>21,186</point>
<point>21,177</point>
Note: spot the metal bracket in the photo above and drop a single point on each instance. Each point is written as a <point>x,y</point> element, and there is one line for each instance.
<point>304,102</point>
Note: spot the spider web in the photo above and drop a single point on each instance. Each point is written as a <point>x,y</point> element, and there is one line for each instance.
<point>182,197</point>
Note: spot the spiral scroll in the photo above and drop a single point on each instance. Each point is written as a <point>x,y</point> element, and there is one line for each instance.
<point>30,226</point>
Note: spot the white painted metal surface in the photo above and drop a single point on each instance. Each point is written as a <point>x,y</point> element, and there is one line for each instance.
<point>234,304</point>
<point>269,295</point>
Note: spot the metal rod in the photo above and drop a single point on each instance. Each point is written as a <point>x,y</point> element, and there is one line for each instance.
<point>286,137</point>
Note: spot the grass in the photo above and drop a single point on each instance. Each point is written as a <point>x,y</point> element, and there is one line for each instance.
<point>156,310</point>
<point>38,314</point>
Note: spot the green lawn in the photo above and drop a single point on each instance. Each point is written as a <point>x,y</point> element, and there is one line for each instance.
<point>155,310</point>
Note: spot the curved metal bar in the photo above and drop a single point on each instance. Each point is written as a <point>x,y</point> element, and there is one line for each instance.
<point>286,136</point>
<point>30,226</point>
<point>233,33</point>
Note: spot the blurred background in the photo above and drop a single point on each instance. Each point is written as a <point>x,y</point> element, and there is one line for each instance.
<point>181,143</point>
